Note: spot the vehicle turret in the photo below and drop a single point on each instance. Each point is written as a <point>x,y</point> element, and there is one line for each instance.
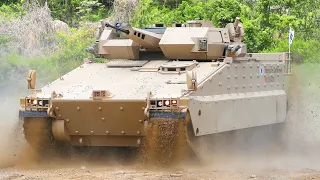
<point>197,40</point>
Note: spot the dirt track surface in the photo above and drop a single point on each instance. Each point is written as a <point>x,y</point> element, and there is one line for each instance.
<point>135,174</point>
<point>248,155</point>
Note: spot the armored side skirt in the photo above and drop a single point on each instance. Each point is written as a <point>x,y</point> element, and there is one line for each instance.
<point>220,113</point>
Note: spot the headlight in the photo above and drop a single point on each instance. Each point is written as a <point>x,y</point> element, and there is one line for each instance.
<point>167,103</point>
<point>35,102</point>
<point>159,103</point>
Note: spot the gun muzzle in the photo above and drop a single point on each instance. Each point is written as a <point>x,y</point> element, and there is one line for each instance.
<point>117,28</point>
<point>236,22</point>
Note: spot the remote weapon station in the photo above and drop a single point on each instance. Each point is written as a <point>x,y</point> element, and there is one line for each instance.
<point>193,77</point>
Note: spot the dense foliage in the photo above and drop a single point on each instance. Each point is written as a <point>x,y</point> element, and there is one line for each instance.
<point>266,25</point>
<point>266,22</point>
<point>52,66</point>
<point>30,38</point>
<point>70,11</point>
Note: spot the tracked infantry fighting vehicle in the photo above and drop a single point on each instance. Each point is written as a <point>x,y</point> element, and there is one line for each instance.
<point>192,77</point>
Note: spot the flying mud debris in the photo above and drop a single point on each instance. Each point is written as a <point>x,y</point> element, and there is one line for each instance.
<point>166,143</point>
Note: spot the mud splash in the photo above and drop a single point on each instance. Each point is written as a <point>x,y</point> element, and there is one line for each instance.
<point>11,136</point>
<point>166,143</point>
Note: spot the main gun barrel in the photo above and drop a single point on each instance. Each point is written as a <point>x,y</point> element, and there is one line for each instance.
<point>146,39</point>
<point>117,28</point>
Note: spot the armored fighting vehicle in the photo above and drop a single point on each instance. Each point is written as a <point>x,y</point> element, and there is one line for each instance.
<point>189,80</point>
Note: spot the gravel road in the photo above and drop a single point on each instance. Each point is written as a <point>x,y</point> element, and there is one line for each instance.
<point>134,173</point>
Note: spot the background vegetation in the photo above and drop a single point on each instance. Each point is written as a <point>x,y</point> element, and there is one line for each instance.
<point>54,51</point>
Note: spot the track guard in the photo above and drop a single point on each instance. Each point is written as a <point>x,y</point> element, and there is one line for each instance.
<point>221,113</point>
